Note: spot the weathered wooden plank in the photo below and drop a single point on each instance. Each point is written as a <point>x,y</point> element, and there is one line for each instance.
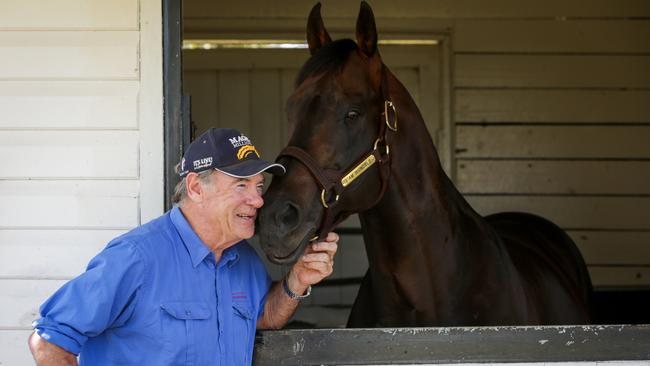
<point>69,154</point>
<point>619,142</point>
<point>14,341</point>
<point>608,277</point>
<point>69,204</point>
<point>244,59</point>
<point>69,104</point>
<point>49,253</point>
<point>151,109</point>
<point>557,177</point>
<point>69,55</point>
<point>202,86</point>
<point>21,298</point>
<point>573,212</point>
<point>600,248</point>
<point>234,99</point>
<point>287,86</point>
<point>552,71</point>
<point>418,9</point>
<point>266,112</point>
<point>395,56</point>
<point>390,346</point>
<point>552,36</point>
<point>553,106</point>
<point>69,14</point>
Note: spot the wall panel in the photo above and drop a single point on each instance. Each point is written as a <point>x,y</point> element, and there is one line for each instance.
<point>57,253</point>
<point>573,212</point>
<point>42,104</point>
<point>69,14</point>
<point>51,204</point>
<point>621,36</point>
<point>65,154</point>
<point>554,177</point>
<point>291,9</point>
<point>21,299</point>
<point>15,342</point>
<point>620,277</point>
<point>553,106</point>
<point>69,54</point>
<point>552,71</point>
<point>560,142</point>
<point>613,248</point>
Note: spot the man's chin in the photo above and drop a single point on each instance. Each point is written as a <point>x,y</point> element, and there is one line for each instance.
<point>247,233</point>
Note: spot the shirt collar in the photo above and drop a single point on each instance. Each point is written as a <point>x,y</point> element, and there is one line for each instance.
<point>195,247</point>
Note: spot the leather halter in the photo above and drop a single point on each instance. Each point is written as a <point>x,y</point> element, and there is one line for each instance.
<point>333,183</point>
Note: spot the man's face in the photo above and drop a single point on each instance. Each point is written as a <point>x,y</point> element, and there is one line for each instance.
<point>232,205</point>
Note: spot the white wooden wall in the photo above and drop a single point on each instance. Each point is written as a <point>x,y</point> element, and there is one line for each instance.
<point>80,143</point>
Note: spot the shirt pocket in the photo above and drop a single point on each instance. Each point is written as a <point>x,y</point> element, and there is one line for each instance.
<point>243,328</point>
<point>183,324</point>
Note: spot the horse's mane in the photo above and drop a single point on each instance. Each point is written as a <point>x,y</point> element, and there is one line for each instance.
<point>329,58</point>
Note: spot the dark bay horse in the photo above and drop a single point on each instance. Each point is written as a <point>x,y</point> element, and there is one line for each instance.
<point>358,144</point>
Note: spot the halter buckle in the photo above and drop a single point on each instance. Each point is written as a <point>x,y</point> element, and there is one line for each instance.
<point>389,104</point>
<point>322,198</point>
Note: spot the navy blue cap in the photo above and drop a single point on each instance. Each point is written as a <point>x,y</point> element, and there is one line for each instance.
<point>226,150</point>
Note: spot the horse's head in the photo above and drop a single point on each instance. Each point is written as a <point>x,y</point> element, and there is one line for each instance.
<point>336,157</point>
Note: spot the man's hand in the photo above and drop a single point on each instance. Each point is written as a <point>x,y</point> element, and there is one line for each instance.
<point>316,263</point>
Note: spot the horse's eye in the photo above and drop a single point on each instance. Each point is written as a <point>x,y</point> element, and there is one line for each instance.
<point>351,116</point>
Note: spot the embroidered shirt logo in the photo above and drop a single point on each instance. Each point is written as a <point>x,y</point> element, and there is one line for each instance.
<point>244,151</point>
<point>239,296</point>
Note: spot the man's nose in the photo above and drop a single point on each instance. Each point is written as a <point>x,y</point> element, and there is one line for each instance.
<point>256,200</point>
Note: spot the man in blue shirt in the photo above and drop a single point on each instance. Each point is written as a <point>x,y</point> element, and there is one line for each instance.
<point>185,288</point>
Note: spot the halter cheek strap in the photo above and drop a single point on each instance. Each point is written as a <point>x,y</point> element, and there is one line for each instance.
<point>334,183</point>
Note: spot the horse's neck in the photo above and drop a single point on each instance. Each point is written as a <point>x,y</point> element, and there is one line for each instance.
<point>421,211</point>
<point>422,232</point>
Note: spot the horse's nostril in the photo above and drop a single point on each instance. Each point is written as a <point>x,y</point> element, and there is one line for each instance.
<point>287,217</point>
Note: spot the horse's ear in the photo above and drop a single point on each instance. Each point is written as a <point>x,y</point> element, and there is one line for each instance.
<point>317,35</point>
<point>366,30</point>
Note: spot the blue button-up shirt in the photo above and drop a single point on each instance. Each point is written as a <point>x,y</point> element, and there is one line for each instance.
<point>156,296</point>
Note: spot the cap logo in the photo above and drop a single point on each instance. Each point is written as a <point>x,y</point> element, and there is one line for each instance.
<point>240,140</point>
<point>244,151</point>
<point>202,163</point>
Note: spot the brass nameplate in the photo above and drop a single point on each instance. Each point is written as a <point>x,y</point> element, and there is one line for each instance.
<point>358,170</point>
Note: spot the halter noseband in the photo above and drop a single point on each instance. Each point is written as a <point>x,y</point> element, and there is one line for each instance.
<point>333,183</point>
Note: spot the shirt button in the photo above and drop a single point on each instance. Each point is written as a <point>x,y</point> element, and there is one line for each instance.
<point>187,312</point>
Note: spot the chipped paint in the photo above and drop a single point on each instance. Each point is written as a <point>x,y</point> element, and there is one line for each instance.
<point>299,346</point>
<point>461,344</point>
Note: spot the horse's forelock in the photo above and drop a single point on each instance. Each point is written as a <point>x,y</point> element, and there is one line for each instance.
<point>330,58</point>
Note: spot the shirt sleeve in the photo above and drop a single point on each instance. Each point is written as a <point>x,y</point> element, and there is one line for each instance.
<point>103,296</point>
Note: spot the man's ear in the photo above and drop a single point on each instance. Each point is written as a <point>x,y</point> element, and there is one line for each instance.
<point>194,187</point>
